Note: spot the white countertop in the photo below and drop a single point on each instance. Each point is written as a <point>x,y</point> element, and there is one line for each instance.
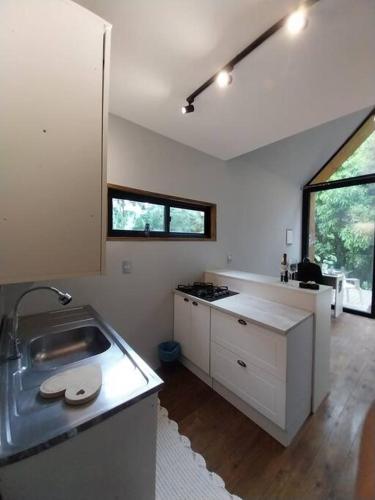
<point>268,280</point>
<point>277,317</point>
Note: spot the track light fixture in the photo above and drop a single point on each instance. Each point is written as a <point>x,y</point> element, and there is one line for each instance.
<point>189,108</point>
<point>224,78</point>
<point>294,22</point>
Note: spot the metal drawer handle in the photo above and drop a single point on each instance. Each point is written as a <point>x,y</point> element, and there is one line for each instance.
<point>242,322</point>
<point>195,303</point>
<point>241,363</point>
<point>186,300</point>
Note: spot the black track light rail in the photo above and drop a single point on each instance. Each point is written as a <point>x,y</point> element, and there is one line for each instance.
<point>246,51</point>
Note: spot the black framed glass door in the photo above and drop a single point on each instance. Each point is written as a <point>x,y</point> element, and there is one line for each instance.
<point>338,219</point>
<point>339,234</point>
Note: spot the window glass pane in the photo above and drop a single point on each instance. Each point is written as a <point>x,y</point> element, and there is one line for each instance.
<point>341,239</point>
<point>184,220</point>
<point>355,158</point>
<point>361,162</point>
<point>129,215</point>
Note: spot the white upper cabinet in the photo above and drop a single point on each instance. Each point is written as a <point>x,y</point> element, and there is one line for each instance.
<point>54,58</point>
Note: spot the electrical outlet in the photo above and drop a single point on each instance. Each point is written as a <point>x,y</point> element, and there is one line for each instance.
<point>126,267</point>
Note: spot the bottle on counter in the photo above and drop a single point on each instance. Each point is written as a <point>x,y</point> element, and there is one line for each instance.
<point>284,277</point>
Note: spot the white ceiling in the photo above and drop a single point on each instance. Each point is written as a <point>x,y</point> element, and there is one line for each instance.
<point>162,50</point>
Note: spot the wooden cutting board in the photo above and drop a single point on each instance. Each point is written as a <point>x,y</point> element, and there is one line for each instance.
<point>78,385</point>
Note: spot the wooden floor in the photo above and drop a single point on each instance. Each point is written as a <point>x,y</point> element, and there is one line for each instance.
<point>320,463</point>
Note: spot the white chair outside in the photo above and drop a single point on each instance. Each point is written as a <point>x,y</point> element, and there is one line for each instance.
<point>351,284</point>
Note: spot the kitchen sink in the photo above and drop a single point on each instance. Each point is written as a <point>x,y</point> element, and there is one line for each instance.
<point>51,343</point>
<point>68,346</point>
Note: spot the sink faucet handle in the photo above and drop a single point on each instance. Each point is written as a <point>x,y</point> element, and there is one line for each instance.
<point>14,347</point>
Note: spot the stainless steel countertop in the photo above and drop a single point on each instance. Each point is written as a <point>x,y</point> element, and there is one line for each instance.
<point>29,423</point>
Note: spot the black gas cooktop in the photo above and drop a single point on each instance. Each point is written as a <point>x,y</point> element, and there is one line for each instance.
<point>206,291</point>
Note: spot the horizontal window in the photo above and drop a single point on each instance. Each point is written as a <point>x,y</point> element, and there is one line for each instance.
<point>130,215</point>
<point>186,220</point>
<point>141,214</point>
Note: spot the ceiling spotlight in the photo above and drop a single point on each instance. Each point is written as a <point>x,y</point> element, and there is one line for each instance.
<point>189,108</point>
<point>296,22</point>
<point>224,78</point>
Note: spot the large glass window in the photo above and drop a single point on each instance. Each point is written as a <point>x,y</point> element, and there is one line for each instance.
<point>361,162</point>
<point>355,158</point>
<point>140,214</point>
<point>341,239</point>
<point>339,218</point>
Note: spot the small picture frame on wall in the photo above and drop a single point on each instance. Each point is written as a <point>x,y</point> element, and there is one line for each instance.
<point>289,236</point>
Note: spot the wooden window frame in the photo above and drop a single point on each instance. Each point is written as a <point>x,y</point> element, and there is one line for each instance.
<point>124,192</point>
<point>354,141</point>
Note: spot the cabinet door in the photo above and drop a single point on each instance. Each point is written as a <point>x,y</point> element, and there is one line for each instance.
<point>182,324</point>
<point>200,336</point>
<point>258,388</point>
<point>51,131</point>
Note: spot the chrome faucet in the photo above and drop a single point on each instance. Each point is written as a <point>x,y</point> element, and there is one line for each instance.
<point>63,297</point>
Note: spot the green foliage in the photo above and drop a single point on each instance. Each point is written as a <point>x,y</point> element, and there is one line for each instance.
<point>134,215</point>
<point>361,162</point>
<point>345,218</point>
<point>187,221</point>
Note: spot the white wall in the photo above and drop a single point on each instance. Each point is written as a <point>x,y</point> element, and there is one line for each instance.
<point>139,305</point>
<point>255,206</point>
<point>268,205</point>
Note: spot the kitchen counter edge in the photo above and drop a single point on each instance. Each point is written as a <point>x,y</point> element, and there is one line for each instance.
<point>222,308</point>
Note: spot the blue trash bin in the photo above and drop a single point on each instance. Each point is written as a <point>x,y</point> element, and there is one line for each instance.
<point>169,352</point>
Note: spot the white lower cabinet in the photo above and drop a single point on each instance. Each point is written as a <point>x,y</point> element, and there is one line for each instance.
<point>255,386</point>
<point>192,331</point>
<point>267,375</point>
<point>262,347</point>
<point>182,324</point>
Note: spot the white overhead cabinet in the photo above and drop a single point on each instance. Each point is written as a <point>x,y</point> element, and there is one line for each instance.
<point>54,58</point>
